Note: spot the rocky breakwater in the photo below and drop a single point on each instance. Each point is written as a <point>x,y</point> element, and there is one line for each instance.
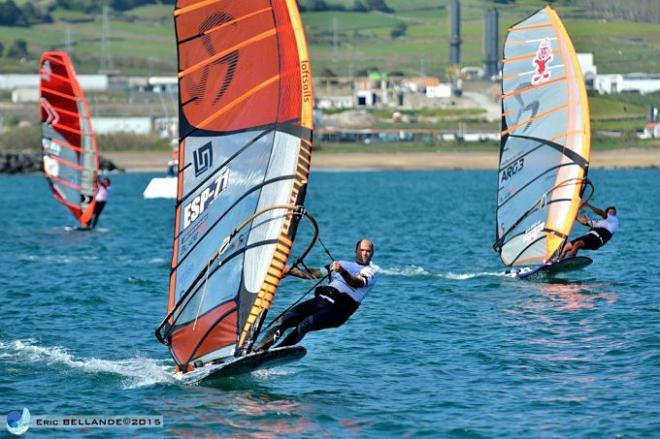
<point>29,162</point>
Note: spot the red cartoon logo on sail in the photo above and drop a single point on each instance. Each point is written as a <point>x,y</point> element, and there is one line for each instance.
<point>541,62</point>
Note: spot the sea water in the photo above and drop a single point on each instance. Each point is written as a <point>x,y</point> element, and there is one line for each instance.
<point>445,345</point>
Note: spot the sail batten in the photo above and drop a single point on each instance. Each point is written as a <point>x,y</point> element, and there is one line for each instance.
<point>544,152</point>
<point>69,150</point>
<point>245,146</point>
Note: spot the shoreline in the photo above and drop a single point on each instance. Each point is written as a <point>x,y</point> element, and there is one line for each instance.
<point>156,161</point>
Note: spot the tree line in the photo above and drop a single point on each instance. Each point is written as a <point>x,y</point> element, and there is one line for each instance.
<point>358,6</point>
<point>30,13</point>
<point>17,49</point>
<point>36,12</point>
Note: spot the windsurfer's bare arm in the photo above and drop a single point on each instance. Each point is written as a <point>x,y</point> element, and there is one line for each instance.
<point>313,273</point>
<point>597,211</point>
<point>354,281</point>
<point>584,220</point>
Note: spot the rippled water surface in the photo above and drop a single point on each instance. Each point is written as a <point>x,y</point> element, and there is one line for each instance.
<point>444,346</point>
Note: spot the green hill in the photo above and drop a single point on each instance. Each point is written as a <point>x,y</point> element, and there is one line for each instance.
<point>141,40</point>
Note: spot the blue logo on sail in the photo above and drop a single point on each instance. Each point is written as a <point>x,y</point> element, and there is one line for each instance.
<point>203,159</point>
<point>18,422</point>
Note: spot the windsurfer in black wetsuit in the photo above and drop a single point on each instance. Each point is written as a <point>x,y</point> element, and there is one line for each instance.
<point>601,231</point>
<point>101,198</point>
<point>333,304</point>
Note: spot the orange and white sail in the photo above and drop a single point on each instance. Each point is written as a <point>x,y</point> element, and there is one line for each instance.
<point>69,150</point>
<point>545,140</point>
<point>245,132</point>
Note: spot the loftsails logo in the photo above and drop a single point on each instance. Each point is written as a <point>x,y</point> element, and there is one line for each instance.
<point>203,159</point>
<point>205,198</point>
<point>306,76</point>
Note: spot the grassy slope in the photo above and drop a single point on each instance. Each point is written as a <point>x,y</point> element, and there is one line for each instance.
<point>619,47</point>
<point>363,39</point>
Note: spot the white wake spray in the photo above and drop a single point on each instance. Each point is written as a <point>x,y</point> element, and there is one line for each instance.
<point>416,271</point>
<point>134,372</point>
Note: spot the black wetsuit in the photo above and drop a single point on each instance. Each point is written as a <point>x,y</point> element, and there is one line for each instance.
<point>98,208</point>
<point>329,309</point>
<point>595,238</point>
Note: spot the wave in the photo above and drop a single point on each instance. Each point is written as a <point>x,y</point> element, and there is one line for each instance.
<point>77,229</point>
<point>58,259</point>
<point>407,271</point>
<point>135,372</point>
<point>417,271</point>
<point>465,276</point>
<point>135,261</point>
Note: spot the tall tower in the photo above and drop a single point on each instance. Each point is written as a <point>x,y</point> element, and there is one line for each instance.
<point>455,34</point>
<point>106,48</point>
<point>491,43</point>
<point>68,46</point>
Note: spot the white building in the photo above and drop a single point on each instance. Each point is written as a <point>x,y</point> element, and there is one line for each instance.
<point>651,131</point>
<point>367,98</point>
<point>134,125</point>
<point>589,69</point>
<point>439,91</point>
<point>23,95</point>
<point>163,84</point>
<point>87,82</point>
<point>641,83</point>
<point>326,102</point>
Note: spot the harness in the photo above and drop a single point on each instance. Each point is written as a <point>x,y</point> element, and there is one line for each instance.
<point>606,234</point>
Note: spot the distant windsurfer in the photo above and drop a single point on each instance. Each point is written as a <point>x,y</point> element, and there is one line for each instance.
<point>601,231</point>
<point>333,304</point>
<point>101,198</point>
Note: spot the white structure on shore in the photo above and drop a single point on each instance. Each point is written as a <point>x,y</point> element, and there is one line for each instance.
<point>641,83</point>
<point>133,125</point>
<point>25,88</point>
<point>589,69</point>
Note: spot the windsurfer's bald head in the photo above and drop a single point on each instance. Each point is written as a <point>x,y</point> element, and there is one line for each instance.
<point>364,251</point>
<point>366,241</point>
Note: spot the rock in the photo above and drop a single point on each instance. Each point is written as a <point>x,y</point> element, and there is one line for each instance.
<point>26,163</point>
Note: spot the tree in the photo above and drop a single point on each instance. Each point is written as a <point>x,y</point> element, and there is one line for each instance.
<point>36,14</point>
<point>379,5</point>
<point>11,15</point>
<point>327,72</point>
<point>317,5</point>
<point>399,30</point>
<point>2,49</point>
<point>359,6</point>
<point>18,49</point>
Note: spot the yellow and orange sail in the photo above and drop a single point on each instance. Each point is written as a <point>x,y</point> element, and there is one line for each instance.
<point>544,155</point>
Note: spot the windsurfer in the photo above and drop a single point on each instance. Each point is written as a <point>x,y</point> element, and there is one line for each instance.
<point>101,198</point>
<point>601,231</point>
<point>333,304</point>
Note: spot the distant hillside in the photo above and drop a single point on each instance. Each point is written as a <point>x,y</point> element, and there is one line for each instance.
<point>346,36</point>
